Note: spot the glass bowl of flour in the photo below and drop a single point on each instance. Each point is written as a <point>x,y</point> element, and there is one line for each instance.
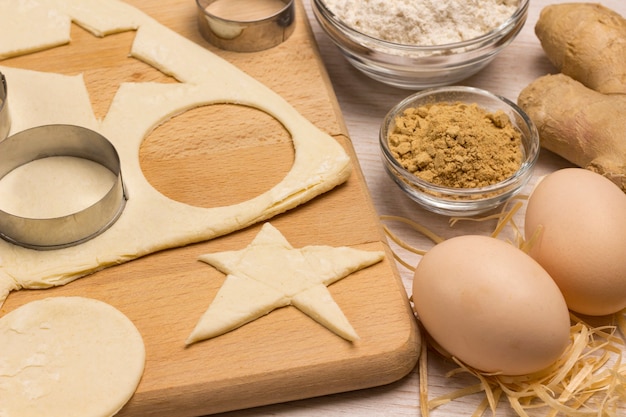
<point>458,151</point>
<point>421,43</point>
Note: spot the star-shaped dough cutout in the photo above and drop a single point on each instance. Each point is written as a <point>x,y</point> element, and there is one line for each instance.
<point>269,274</point>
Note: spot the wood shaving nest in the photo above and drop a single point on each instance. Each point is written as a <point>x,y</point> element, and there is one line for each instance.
<point>588,380</point>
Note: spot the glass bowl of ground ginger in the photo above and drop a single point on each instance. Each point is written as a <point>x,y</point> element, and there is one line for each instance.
<point>420,43</point>
<point>459,151</point>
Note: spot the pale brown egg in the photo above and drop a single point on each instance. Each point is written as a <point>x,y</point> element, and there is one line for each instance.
<point>490,305</point>
<point>583,242</point>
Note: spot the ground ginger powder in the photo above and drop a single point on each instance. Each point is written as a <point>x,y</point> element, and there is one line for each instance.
<point>456,145</point>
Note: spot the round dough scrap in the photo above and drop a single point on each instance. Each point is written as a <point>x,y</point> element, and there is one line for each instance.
<point>69,357</point>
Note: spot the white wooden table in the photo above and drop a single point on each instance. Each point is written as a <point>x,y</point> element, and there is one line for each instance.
<point>364,103</point>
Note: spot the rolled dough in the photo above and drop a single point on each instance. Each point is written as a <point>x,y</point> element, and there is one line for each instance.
<point>150,221</point>
<point>68,357</point>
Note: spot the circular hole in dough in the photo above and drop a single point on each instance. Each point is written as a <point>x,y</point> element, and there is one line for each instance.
<point>217,155</point>
<point>68,357</point>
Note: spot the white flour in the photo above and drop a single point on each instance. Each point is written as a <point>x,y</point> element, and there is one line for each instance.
<point>423,22</point>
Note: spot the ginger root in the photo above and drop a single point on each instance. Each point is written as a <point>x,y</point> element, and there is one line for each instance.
<point>581,113</point>
<point>583,126</point>
<point>587,42</point>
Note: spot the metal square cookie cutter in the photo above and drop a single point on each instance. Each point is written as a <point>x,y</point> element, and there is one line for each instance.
<point>73,228</point>
<point>5,120</point>
<point>246,25</point>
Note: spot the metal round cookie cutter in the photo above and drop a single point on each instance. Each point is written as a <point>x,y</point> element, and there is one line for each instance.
<point>246,32</point>
<point>5,120</point>
<point>74,228</point>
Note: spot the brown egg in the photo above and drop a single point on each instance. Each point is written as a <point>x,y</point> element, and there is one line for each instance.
<point>583,241</point>
<point>491,305</point>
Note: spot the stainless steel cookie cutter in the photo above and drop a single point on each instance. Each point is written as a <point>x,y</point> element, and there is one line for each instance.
<point>74,228</point>
<point>245,34</point>
<point>5,120</point>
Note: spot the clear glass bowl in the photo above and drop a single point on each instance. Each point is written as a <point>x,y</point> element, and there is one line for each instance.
<point>418,67</point>
<point>461,202</point>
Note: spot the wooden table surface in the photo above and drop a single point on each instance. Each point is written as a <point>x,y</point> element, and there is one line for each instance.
<point>364,103</point>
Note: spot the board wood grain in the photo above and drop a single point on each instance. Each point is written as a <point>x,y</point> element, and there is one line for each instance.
<point>219,155</point>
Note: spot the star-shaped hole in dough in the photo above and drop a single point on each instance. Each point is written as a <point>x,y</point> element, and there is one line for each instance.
<point>73,39</point>
<point>269,274</point>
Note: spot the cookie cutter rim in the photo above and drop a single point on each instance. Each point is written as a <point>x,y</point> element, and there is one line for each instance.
<point>5,120</point>
<point>248,35</point>
<point>74,228</point>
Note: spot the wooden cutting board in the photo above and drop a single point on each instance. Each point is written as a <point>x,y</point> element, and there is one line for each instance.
<point>220,155</point>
